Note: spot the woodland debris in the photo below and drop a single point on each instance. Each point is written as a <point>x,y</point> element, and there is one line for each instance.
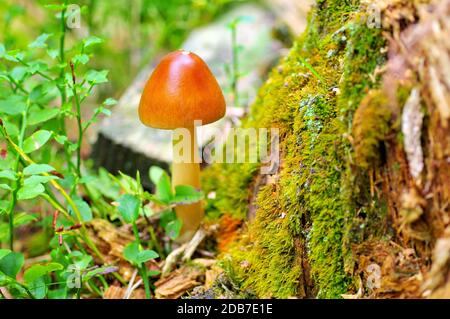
<point>178,282</point>
<point>437,284</point>
<point>205,262</point>
<point>411,210</point>
<point>187,250</point>
<point>412,119</point>
<point>211,276</point>
<point>110,239</point>
<point>172,259</point>
<point>132,285</point>
<point>389,270</point>
<point>193,244</point>
<point>116,292</point>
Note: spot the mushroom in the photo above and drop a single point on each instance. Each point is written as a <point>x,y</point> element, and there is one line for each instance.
<point>182,90</point>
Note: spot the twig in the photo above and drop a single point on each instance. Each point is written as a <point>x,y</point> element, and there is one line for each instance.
<point>134,288</point>
<point>193,244</point>
<point>187,250</point>
<point>6,293</point>
<point>130,284</point>
<point>172,259</point>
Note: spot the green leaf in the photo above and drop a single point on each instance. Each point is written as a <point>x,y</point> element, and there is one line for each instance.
<point>83,262</point>
<point>146,255</point>
<point>13,105</point>
<point>110,101</point>
<point>61,139</point>
<point>23,219</point>
<point>166,217</point>
<point>11,264</point>
<point>97,77</point>
<point>36,179</point>
<point>8,174</point>
<point>80,58</point>
<point>18,73</point>
<point>30,191</point>
<point>38,288</point>
<point>186,194</point>
<point>129,207</point>
<point>40,41</point>
<point>60,293</point>
<point>84,208</point>
<point>5,187</point>
<point>36,141</point>
<point>36,271</point>
<point>103,110</point>
<point>92,40</point>
<point>43,93</point>
<point>53,53</point>
<point>40,116</point>
<point>35,169</point>
<point>173,228</point>
<point>11,128</point>
<point>6,281</point>
<point>161,180</point>
<point>37,66</point>
<point>14,56</point>
<point>133,253</point>
<point>4,252</point>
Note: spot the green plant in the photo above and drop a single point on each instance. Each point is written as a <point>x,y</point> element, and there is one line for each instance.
<point>233,69</point>
<point>132,205</point>
<point>47,187</point>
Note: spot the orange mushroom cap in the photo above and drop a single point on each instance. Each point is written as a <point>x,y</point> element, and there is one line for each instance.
<point>181,90</point>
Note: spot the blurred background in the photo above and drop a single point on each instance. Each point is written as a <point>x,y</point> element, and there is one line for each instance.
<point>240,40</point>
<point>135,31</point>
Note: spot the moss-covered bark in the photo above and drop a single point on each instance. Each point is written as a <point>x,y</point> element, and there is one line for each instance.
<point>328,212</point>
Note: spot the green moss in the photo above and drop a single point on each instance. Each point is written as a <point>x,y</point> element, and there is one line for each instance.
<point>298,243</point>
<point>370,128</point>
<point>265,259</point>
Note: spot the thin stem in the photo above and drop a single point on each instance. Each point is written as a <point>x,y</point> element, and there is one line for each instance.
<point>155,241</point>
<point>11,216</point>
<point>87,93</point>
<point>13,203</point>
<point>62,40</point>
<point>79,122</point>
<point>142,268</point>
<point>136,233</point>
<point>61,88</point>
<point>146,283</point>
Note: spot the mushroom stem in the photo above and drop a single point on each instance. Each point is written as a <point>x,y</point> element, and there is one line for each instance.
<point>186,171</point>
